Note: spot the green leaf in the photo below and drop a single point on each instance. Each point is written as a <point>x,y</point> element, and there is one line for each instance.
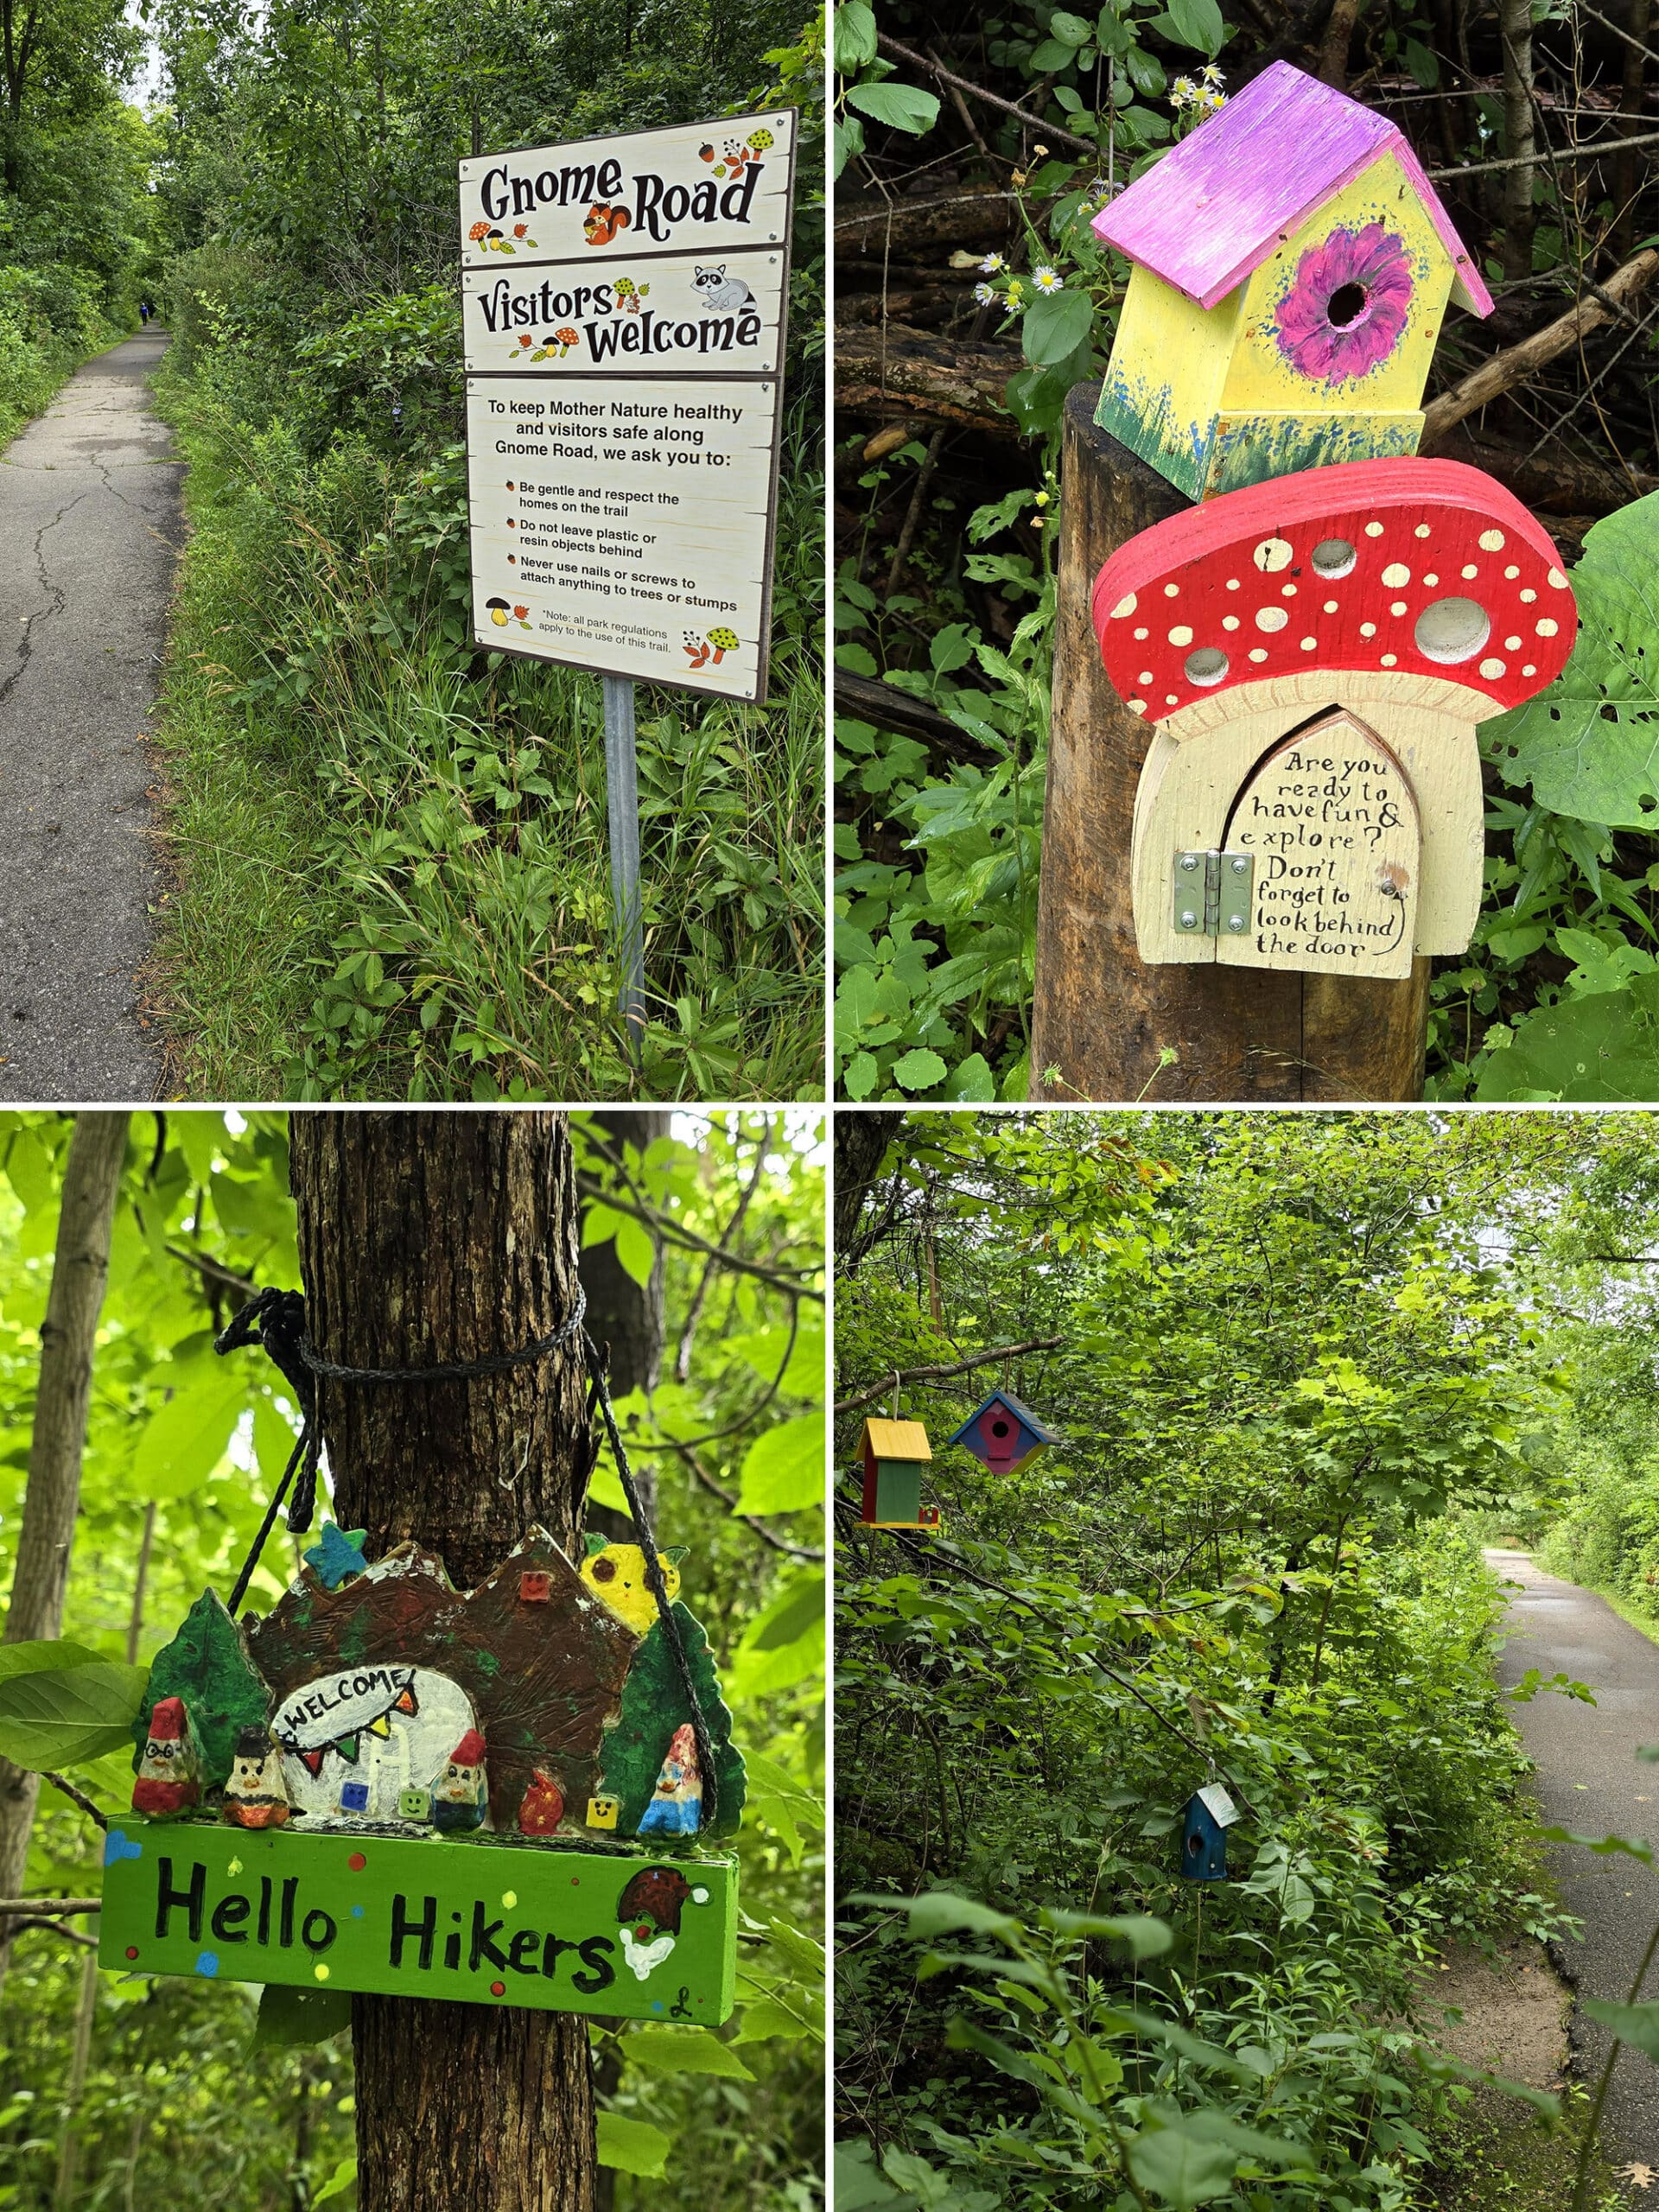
<point>1602,1047</point>
<point>1071,30</point>
<point>184,1439</point>
<point>936,1912</point>
<point>797,1609</point>
<point>300,2016</point>
<point>683,2051</point>
<point>766,2021</point>
<point>970,1079</point>
<point>34,1658</point>
<point>855,36</point>
<point>1636,2024</point>
<point>63,1715</point>
<point>1055,325</point>
<point>784,1470</point>
<point>1589,744</point>
<point>1182,2169</point>
<point>634,1250</point>
<point>901,106</point>
<point>339,2182</point>
<point>631,2146</point>
<point>918,1069</point>
<point>1141,1935</point>
<point>1198,22</point>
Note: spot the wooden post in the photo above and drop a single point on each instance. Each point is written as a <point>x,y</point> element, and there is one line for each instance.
<point>1102,1020</point>
<point>424,1238</point>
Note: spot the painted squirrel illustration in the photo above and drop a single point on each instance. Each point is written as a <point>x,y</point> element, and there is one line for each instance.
<point>726,295</point>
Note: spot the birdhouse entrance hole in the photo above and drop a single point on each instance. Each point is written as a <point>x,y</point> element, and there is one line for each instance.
<point>1348,303</point>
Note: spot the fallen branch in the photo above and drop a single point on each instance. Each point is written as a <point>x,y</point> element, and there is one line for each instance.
<point>1555,482</point>
<point>979,215</point>
<point>51,1904</point>
<point>956,1367</point>
<point>888,707</point>
<point>990,100</point>
<point>1552,154</point>
<point>896,372</point>
<point>1516,365</point>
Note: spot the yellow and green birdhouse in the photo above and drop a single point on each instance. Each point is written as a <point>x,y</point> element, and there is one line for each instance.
<point>895,1452</point>
<point>1291,264</point>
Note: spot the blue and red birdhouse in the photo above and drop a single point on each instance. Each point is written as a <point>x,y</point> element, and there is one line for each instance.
<point>1003,1434</point>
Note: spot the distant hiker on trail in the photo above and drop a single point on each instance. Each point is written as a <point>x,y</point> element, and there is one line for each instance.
<point>144,311</point>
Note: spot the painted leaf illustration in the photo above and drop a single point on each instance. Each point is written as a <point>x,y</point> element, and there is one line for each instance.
<point>1589,745</point>
<point>63,1715</point>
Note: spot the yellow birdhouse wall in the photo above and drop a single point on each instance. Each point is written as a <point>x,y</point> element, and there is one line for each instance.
<point>1280,376</point>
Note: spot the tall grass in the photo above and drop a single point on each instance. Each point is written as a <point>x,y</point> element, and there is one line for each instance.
<point>391,874</point>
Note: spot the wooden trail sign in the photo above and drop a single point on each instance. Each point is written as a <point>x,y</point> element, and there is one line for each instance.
<point>480,1921</point>
<point>498,1795</point>
<point>624,304</point>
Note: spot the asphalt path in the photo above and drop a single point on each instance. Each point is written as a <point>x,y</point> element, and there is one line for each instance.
<point>90,529</point>
<point>1590,1780</point>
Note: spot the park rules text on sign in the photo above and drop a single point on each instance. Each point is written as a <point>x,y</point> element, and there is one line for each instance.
<point>624,301</point>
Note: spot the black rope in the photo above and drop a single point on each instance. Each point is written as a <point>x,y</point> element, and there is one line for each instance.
<point>275,1319</point>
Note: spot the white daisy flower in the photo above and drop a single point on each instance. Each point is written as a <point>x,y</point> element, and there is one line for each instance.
<point>992,264</point>
<point>984,295</point>
<point>1047,280</point>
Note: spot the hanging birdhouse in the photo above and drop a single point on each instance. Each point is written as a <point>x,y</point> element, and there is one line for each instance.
<point>1003,1434</point>
<point>895,1452</point>
<point>1210,1813</point>
<point>1292,265</point>
<point>1317,654</point>
<point>390,1784</point>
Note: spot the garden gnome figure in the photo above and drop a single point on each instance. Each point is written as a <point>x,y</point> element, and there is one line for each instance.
<point>675,1807</point>
<point>254,1795</point>
<point>458,1800</point>
<point>167,1782</point>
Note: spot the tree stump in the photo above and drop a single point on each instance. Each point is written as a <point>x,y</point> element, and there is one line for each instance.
<point>1102,1020</point>
<point>428,1238</point>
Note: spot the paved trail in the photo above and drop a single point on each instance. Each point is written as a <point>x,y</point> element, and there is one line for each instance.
<point>1589,1779</point>
<point>89,526</point>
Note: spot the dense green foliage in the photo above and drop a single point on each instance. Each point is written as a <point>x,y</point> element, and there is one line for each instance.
<point>392,869</point>
<point>176,2102</point>
<point>76,246</point>
<point>1294,1357</point>
<point>938,831</point>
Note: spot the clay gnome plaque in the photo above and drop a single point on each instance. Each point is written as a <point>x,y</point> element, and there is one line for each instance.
<point>166,1784</point>
<point>254,1795</point>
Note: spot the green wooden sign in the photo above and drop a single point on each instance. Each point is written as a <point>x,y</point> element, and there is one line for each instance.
<point>479,1919</point>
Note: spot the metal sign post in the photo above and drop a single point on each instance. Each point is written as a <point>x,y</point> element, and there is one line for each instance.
<point>624,301</point>
<point>622,808</point>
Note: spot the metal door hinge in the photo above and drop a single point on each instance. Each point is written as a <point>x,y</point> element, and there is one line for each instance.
<point>1213,892</point>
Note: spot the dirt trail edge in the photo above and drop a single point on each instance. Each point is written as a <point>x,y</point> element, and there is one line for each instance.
<point>89,528</point>
<point>1589,1779</point>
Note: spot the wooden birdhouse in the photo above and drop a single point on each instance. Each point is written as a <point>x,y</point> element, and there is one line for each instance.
<point>1004,1433</point>
<point>1291,264</point>
<point>1316,654</point>
<point>1210,1813</point>
<point>895,1452</point>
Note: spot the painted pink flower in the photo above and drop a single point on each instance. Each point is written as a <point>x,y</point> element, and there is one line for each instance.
<point>1347,305</point>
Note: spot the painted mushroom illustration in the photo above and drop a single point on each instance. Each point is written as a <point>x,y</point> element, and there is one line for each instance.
<point>566,338</point>
<point>497,612</point>
<point>1370,614</point>
<point>724,642</point>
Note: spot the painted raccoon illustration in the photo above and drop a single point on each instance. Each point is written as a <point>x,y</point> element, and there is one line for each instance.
<point>724,294</point>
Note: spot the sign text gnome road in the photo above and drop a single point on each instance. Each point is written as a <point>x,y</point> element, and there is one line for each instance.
<point>624,303</point>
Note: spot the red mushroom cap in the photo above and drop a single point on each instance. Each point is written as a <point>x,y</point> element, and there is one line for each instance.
<point>1404,567</point>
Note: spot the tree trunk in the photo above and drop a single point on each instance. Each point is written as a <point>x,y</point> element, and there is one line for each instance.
<point>1515,19</point>
<point>80,1267</point>
<point>861,1142</point>
<point>1104,1024</point>
<point>427,1237</point>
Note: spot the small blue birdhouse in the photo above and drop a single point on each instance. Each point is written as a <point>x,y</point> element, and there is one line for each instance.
<point>1003,1434</point>
<point>1210,1813</point>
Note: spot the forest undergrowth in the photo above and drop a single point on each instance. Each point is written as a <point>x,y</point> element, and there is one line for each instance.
<point>1289,1382</point>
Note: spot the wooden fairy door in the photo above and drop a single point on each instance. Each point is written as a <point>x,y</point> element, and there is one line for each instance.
<point>1331,824</point>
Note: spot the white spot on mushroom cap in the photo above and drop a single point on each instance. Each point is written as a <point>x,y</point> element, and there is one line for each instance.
<point>1271,617</point>
<point>1330,605</point>
<point>1557,581</point>
<point>1258,652</point>
<point>1397,574</point>
<point>1469,570</point>
<point>1172,591</point>
<point>1230,621</point>
<point>1367,629</point>
<point>1512,645</point>
<point>1430,582</point>
<point>1309,645</point>
<point>1491,541</point>
<point>1491,669</point>
<point>1232,583</point>
<point>1137,706</point>
<point>1423,529</point>
<point>1390,659</point>
<point>1527,598</point>
<point>1289,590</point>
<point>1396,607</point>
<point>1125,606</point>
<point>1547,628</point>
<point>1172,698</point>
<point>1180,635</point>
<point>1145,677</point>
<point>1273,553</point>
<point>1511,572</point>
<point>1373,530</point>
<point>1528,669</point>
<point>1143,634</point>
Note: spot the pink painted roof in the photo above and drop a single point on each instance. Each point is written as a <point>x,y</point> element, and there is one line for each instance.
<point>1213,209</point>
